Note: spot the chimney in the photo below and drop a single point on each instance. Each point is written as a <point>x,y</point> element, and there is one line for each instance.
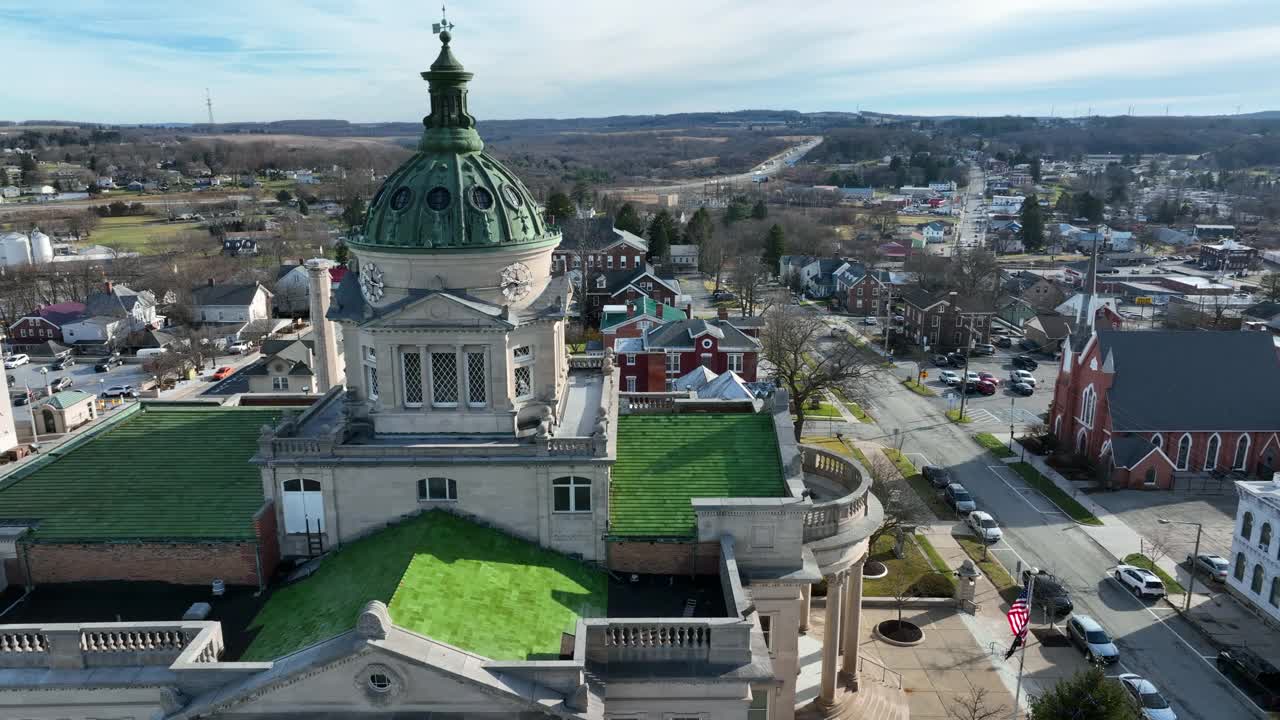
<point>210,282</point>
<point>631,308</point>
<point>326,339</point>
<point>107,286</point>
<point>722,312</point>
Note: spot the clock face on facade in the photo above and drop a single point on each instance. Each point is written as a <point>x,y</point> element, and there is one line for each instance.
<point>515,281</point>
<point>371,282</point>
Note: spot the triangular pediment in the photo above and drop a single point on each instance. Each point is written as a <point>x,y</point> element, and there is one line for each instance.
<point>442,310</point>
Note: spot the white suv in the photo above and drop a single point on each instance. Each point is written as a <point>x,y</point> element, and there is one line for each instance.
<point>1140,581</point>
<point>1023,376</point>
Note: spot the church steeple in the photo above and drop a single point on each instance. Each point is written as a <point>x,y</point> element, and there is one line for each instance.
<point>1085,315</point>
<point>449,127</point>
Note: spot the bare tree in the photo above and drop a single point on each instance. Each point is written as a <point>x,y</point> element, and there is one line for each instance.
<point>973,271</point>
<point>974,707</point>
<point>893,493</point>
<point>902,588</point>
<point>791,348</point>
<point>748,279</point>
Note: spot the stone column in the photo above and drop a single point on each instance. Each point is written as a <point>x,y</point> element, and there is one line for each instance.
<point>831,640</point>
<point>326,344</point>
<point>806,598</point>
<point>851,625</point>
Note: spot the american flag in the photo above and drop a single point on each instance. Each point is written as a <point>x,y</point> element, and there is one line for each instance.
<point>1019,614</point>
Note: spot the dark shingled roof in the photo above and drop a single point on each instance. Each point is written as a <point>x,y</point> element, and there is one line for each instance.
<point>1056,327</point>
<point>1127,450</point>
<point>1192,380</point>
<point>681,334</point>
<point>225,294</point>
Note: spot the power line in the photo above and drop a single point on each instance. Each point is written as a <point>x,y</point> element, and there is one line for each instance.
<point>208,102</point>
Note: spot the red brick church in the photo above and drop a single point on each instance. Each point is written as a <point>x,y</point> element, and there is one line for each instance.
<point>1149,406</point>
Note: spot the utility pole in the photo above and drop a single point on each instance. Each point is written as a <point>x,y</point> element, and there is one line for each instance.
<point>208,103</point>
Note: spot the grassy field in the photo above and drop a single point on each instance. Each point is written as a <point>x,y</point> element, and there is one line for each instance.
<point>1139,560</point>
<point>914,566</point>
<point>1055,494</point>
<point>993,445</point>
<point>824,410</point>
<point>135,233</point>
<point>990,567</point>
<point>852,406</point>
<point>919,388</point>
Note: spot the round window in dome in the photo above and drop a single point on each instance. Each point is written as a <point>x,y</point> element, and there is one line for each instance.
<point>400,200</point>
<point>512,196</point>
<point>438,198</point>
<point>377,196</point>
<point>482,198</point>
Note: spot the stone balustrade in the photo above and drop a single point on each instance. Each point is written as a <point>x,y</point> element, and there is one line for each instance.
<point>829,518</point>
<point>571,446</point>
<point>711,640</point>
<point>586,362</point>
<point>91,645</point>
<point>635,403</point>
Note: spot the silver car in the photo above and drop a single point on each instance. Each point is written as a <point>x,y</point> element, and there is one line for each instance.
<point>959,498</point>
<point>1093,641</point>
<point>1146,697</point>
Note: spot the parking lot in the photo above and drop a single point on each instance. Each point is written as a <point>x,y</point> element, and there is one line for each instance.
<point>1005,405</point>
<point>82,374</point>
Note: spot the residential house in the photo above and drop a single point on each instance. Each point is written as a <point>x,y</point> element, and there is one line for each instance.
<point>1048,330</point>
<point>684,257</point>
<point>10,191</point>
<point>619,286</point>
<point>234,312</point>
<point>1227,255</point>
<point>1255,574</point>
<point>1261,316</point>
<point>634,318</point>
<point>238,244</point>
<point>864,292</point>
<point>934,232</point>
<point>286,366</point>
<point>45,324</point>
<point>656,359</point>
<point>289,293</point>
<point>1015,311</point>
<point>817,277</point>
<point>789,265</point>
<point>1039,291</point>
<point>945,320</point>
<point>1209,233</point>
<point>1100,306</point>
<point>1006,204</point>
<point>595,246</point>
<point>96,330</point>
<point>136,308</point>
<point>893,251</point>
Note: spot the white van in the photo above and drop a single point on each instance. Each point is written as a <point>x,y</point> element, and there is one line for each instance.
<point>151,352</point>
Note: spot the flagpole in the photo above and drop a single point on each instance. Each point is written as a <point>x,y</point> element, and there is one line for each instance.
<point>1022,656</point>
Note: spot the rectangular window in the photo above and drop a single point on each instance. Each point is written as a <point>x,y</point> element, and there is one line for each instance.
<point>411,368</point>
<point>476,386</point>
<point>577,261</point>
<point>936,319</point>
<point>759,709</point>
<point>444,379</point>
<point>631,383</point>
<point>705,359</point>
<point>279,383</point>
<point>735,362</point>
<point>572,494</point>
<point>522,357</point>
<point>673,363</point>
<point>622,261</point>
<point>631,358</point>
<point>437,488</point>
<point>371,382</point>
<point>609,262</point>
<point>766,629</point>
<point>859,292</point>
<point>644,325</point>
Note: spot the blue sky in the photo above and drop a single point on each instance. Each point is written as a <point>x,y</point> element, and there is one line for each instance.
<point>149,61</point>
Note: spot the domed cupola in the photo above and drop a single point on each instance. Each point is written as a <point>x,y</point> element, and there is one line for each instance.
<point>451,197</point>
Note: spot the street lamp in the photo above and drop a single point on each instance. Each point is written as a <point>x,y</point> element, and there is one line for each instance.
<point>1191,586</point>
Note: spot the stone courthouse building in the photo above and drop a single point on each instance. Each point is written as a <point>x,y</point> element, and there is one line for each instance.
<point>483,525</point>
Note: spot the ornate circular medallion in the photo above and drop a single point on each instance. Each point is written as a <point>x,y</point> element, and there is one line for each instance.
<point>515,281</point>
<point>400,200</point>
<point>371,282</point>
<point>512,196</point>
<point>481,198</point>
<point>438,198</point>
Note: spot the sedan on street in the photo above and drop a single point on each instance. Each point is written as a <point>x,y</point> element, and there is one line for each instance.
<point>122,391</point>
<point>61,384</point>
<point>985,388</point>
<point>1025,362</point>
<point>984,526</point>
<point>223,373</point>
<point>959,498</point>
<point>938,477</point>
<point>14,361</point>
<point>1088,635</point>
<point>1141,582</point>
<point>1023,389</point>
<point>1146,697</point>
<point>949,378</point>
<point>1215,566</point>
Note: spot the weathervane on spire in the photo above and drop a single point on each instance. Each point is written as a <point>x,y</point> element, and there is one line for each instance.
<point>444,26</point>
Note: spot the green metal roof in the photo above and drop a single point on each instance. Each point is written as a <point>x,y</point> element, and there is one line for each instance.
<point>664,461</point>
<point>158,474</point>
<point>66,398</point>
<point>648,306</point>
<point>445,577</point>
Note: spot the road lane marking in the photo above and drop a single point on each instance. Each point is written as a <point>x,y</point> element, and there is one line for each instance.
<point>1020,491</point>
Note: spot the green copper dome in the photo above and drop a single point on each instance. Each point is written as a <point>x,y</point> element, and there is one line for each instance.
<point>451,196</point>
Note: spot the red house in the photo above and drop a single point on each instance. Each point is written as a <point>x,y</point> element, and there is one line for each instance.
<point>622,286</point>
<point>45,324</point>
<point>596,246</point>
<point>635,318</point>
<point>653,361</point>
<point>1152,407</point>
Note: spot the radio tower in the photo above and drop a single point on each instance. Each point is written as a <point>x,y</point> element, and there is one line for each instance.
<point>208,103</point>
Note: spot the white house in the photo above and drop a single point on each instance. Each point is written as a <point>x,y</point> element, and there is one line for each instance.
<point>10,191</point>
<point>231,303</point>
<point>95,329</point>
<point>684,256</point>
<point>934,232</point>
<point>1006,204</point>
<point>1255,565</point>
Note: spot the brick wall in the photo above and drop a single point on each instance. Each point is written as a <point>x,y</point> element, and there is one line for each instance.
<point>181,564</point>
<point>266,527</point>
<point>664,558</point>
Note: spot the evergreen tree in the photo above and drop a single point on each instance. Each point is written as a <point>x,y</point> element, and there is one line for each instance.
<point>736,211</point>
<point>628,219</point>
<point>1087,695</point>
<point>341,253</point>
<point>559,207</point>
<point>303,207</point>
<point>661,230</point>
<point>353,214</point>
<point>580,194</point>
<point>284,196</point>
<point>759,211</point>
<point>700,228</point>
<point>1035,169</point>
<point>1089,206</point>
<point>1032,223</point>
<point>774,248</point>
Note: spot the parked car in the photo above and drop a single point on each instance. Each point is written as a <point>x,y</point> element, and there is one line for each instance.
<point>1254,672</point>
<point>126,391</point>
<point>223,373</point>
<point>984,349</point>
<point>972,376</point>
<point>1025,362</point>
<point>1028,344</point>
<point>959,499</point>
<point>17,360</point>
<point>949,378</point>
<point>1049,596</point>
<point>22,397</point>
<point>938,477</point>
<point>899,318</point>
<point>984,388</point>
<point>106,365</point>
<point>1140,581</point>
<point>1146,698</point>
<point>61,384</point>
<point>723,296</point>
<point>1088,635</point>
<point>1004,341</point>
<point>1024,389</point>
<point>941,361</point>
<point>239,348</point>
<point>957,359</point>
<point>984,526</point>
<point>985,376</point>
<point>1215,566</point>
<point>1023,376</point>
<point>870,320</point>
<point>62,363</point>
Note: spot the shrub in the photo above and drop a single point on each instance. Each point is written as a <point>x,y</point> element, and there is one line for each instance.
<point>934,585</point>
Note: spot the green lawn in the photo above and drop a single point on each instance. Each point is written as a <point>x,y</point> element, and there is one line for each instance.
<point>836,446</point>
<point>915,566</point>
<point>919,388</point>
<point>136,232</point>
<point>954,416</point>
<point>926,492</point>
<point>1055,494</point>
<point>824,410</point>
<point>1139,560</point>
<point>441,576</point>
<point>852,406</point>
<point>993,445</point>
<point>990,567</point>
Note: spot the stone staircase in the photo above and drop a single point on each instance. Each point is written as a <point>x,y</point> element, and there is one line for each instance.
<point>873,701</point>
